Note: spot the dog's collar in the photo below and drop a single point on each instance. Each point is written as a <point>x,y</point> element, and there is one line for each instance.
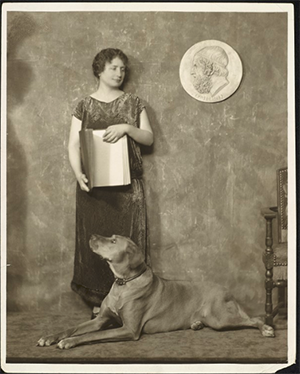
<point>123,281</point>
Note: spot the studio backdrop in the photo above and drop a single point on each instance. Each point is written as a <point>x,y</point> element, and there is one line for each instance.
<point>210,171</point>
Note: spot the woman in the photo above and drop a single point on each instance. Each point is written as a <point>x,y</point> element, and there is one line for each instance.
<point>107,211</point>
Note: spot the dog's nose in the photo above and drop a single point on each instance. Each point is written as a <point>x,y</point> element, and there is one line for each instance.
<point>93,242</point>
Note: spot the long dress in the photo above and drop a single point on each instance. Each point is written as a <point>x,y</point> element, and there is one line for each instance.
<point>107,211</point>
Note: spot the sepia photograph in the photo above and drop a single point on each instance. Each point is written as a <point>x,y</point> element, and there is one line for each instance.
<point>148,187</point>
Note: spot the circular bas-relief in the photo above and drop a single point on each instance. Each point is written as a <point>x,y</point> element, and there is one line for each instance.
<point>210,71</point>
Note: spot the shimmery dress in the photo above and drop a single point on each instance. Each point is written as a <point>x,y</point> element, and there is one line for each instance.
<point>106,211</point>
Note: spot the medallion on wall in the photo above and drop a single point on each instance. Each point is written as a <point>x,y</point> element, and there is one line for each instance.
<point>210,71</point>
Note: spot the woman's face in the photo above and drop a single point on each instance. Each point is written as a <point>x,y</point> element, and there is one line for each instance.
<point>113,74</point>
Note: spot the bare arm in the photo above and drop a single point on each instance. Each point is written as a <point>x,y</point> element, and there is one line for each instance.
<point>74,153</point>
<point>142,135</point>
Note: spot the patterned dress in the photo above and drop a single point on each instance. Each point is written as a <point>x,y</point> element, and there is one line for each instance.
<point>107,211</point>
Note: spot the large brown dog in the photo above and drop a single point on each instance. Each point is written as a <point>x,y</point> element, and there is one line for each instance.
<point>141,302</point>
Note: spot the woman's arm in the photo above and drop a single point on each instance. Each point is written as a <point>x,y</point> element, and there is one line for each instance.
<point>74,153</point>
<point>142,135</point>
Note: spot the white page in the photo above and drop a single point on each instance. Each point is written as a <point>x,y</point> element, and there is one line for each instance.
<point>108,158</point>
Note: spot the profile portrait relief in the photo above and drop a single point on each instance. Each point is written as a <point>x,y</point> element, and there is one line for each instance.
<point>210,71</point>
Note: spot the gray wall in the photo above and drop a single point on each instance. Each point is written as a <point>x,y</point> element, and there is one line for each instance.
<point>212,168</point>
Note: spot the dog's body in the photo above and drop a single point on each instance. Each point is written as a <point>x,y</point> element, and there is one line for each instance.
<point>141,302</point>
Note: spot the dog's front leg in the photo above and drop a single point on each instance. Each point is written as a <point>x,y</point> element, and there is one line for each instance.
<point>113,335</point>
<point>83,328</point>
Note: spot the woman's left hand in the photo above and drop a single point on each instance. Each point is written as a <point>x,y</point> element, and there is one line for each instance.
<point>114,133</point>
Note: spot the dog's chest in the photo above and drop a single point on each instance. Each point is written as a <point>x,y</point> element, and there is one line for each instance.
<point>114,299</point>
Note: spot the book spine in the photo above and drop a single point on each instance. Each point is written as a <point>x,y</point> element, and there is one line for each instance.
<point>87,154</point>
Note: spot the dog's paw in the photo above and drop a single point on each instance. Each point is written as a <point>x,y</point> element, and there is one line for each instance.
<point>47,341</point>
<point>67,343</point>
<point>197,325</point>
<point>268,331</point>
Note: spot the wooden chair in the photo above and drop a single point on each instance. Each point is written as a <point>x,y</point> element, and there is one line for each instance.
<point>275,255</point>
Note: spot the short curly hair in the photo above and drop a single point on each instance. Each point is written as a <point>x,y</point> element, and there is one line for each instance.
<point>107,55</point>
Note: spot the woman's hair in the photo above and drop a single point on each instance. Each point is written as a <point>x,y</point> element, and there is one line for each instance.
<point>107,55</point>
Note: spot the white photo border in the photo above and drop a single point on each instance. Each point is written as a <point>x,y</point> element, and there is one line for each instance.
<point>292,247</point>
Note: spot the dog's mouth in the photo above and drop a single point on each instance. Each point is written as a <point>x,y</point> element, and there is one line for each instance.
<point>98,254</point>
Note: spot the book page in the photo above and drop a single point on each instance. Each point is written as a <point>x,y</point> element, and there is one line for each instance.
<point>110,160</point>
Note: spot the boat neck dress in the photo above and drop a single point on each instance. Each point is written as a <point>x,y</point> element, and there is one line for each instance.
<point>106,211</point>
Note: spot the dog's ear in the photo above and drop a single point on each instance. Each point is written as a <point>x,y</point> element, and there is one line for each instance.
<point>135,255</point>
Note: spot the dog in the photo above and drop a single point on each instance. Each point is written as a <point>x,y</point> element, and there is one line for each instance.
<point>141,302</point>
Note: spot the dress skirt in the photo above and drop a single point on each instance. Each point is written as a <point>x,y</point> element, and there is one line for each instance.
<point>105,211</point>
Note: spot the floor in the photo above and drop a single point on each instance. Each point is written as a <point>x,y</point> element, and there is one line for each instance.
<point>203,346</point>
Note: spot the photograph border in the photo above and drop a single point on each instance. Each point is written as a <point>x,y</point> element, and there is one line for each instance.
<point>292,203</point>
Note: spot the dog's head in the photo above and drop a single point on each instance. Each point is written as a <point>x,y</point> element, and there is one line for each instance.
<point>121,253</point>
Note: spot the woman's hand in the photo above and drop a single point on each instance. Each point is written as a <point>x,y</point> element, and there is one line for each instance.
<point>115,132</point>
<point>82,180</point>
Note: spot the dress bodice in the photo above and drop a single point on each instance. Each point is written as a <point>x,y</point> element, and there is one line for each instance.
<point>99,115</point>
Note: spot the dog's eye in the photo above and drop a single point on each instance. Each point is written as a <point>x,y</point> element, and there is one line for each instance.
<point>113,241</point>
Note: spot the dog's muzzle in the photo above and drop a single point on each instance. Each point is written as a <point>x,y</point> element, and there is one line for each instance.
<point>93,242</point>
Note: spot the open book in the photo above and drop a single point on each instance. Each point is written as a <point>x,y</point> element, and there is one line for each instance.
<point>105,164</point>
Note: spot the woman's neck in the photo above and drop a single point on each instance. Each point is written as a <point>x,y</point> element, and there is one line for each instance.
<point>105,93</point>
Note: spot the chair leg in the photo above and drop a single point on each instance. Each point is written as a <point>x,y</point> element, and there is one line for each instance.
<point>268,260</point>
<point>269,302</point>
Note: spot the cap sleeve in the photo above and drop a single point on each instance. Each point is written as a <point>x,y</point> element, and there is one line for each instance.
<point>140,106</point>
<point>78,111</point>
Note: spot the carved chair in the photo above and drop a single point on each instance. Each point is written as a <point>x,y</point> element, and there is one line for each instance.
<point>275,255</point>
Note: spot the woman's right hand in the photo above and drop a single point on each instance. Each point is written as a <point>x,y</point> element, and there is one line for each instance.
<point>82,180</point>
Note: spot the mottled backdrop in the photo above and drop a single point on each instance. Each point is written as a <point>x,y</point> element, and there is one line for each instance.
<point>211,169</point>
